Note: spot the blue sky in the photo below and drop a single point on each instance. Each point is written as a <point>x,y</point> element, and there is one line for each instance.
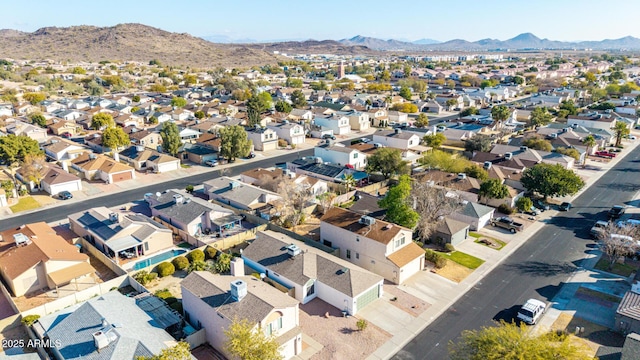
<point>566,20</point>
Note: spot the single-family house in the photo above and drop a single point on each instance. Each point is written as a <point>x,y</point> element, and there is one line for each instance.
<point>313,273</point>
<point>61,150</point>
<point>300,114</point>
<point>379,117</point>
<point>143,159</point>
<point>383,248</point>
<point>237,194</point>
<point>65,127</point>
<point>263,139</point>
<point>109,326</point>
<point>188,135</point>
<point>397,139</point>
<point>337,123</point>
<point>120,235</point>
<point>35,257</point>
<point>341,155</point>
<point>93,166</point>
<point>530,157</point>
<point>213,302</point>
<point>592,120</point>
<point>474,214</point>
<point>56,180</point>
<point>452,231</point>
<point>150,139</point>
<point>292,133</point>
<point>34,132</point>
<point>358,120</point>
<point>398,117</point>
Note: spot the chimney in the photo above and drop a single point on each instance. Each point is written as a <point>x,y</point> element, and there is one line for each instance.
<point>238,290</point>
<point>237,267</point>
<point>65,167</point>
<point>116,157</point>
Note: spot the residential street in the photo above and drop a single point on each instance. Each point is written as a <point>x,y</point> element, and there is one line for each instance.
<point>538,269</point>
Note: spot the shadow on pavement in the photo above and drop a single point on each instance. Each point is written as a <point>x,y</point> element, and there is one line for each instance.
<point>509,315</point>
<point>622,187</point>
<point>539,268</point>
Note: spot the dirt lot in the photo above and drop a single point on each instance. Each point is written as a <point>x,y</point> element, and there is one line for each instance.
<point>338,335</point>
<point>171,283</point>
<point>310,228</point>
<point>454,271</point>
<point>593,336</point>
<point>405,301</point>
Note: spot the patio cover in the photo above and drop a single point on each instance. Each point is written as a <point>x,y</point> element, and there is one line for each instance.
<point>61,277</point>
<point>123,243</point>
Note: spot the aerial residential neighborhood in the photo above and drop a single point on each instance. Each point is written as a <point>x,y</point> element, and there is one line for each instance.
<point>167,196</point>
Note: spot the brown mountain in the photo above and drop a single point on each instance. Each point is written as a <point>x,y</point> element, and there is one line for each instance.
<point>134,42</point>
<point>314,47</point>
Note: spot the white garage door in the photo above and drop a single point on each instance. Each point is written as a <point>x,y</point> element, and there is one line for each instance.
<point>70,186</point>
<point>367,297</point>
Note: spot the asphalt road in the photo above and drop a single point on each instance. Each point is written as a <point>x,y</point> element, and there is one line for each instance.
<point>62,211</point>
<point>538,269</point>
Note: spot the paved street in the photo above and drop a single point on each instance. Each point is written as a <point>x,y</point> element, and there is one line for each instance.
<point>538,269</point>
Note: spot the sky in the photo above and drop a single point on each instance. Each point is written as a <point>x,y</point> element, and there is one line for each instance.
<point>264,20</point>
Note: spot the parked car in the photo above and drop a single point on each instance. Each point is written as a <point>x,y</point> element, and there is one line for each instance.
<point>211,163</point>
<point>64,195</point>
<point>66,135</point>
<point>616,211</point>
<point>366,140</point>
<point>532,211</point>
<point>565,206</point>
<point>605,154</point>
<point>507,223</point>
<point>631,137</point>
<point>541,205</point>
<point>531,311</point>
<point>598,229</point>
<point>328,136</point>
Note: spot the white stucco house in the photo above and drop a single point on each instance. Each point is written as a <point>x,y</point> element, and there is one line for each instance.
<point>339,124</point>
<point>397,139</point>
<point>341,155</point>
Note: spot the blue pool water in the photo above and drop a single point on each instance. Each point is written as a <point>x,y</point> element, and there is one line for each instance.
<point>158,258</point>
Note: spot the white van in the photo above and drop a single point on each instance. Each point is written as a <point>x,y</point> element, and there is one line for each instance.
<point>531,311</point>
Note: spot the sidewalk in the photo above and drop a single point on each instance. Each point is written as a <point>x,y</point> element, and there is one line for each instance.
<point>441,293</point>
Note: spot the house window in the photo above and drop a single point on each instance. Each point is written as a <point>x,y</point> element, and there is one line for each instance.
<point>311,289</point>
<point>348,254</point>
<point>357,255</point>
<point>355,155</point>
<point>400,242</point>
<point>274,326</point>
<point>146,246</point>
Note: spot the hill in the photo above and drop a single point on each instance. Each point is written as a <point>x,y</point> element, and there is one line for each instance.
<point>313,47</point>
<point>133,42</point>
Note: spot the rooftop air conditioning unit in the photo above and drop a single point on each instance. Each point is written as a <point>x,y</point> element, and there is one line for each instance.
<point>367,220</point>
<point>462,176</point>
<point>113,217</point>
<point>293,250</point>
<point>238,289</point>
<point>487,165</point>
<point>523,148</point>
<point>508,156</point>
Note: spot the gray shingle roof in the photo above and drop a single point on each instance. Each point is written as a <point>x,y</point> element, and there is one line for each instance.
<point>137,333</point>
<point>631,348</point>
<point>269,250</point>
<point>184,212</point>
<point>241,193</point>
<point>214,290</point>
<point>476,210</point>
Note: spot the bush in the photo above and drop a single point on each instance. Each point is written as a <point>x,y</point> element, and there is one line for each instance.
<point>524,203</point>
<point>449,247</point>
<point>165,269</point>
<point>166,295</point>
<point>189,189</point>
<point>30,319</point>
<point>195,255</point>
<point>211,252</point>
<point>419,243</point>
<point>282,143</point>
<point>180,263</point>
<point>361,324</point>
<point>438,260</point>
<point>144,277</point>
<point>506,209</point>
<point>177,306</point>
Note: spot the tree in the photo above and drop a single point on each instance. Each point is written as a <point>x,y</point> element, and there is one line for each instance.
<point>615,242</point>
<point>451,103</point>
<point>199,114</point>
<point>500,113</point>
<point>158,88</point>
<point>234,142</point>
<point>198,265</point>
<point>115,137</point>
<point>435,140</point>
<point>293,83</point>
<point>398,204</point>
<point>14,148</point>
<point>170,138</point>
<point>39,119</point>
<point>574,153</point>
<point>537,143</point>
<point>387,161</point>
<point>283,106</point>
<point>422,121</point>
<point>190,79</point>
<point>476,172</point>
<point>223,263</point>
<point>551,180</point>
<point>34,167</point>
<point>493,189</point>
<point>78,70</point>
<point>518,80</point>
<point>405,108</point>
<point>35,97</point>
<point>469,111</point>
<point>405,93</point>
<point>620,130</point>
<point>102,121</point>
<point>589,142</point>
<point>248,342</point>
<point>153,120</point>
<point>540,116</point>
<point>432,204</point>
<point>180,351</point>
<point>298,99</point>
<point>509,341</point>
<point>444,161</point>
<point>178,102</point>
<point>135,98</point>
<point>294,197</point>
<point>569,106</point>
<point>478,143</point>
<point>524,203</point>
<point>349,181</point>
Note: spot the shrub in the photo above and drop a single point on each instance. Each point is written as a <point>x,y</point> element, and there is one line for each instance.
<point>177,306</point>
<point>189,189</point>
<point>438,260</point>
<point>223,264</point>
<point>165,269</point>
<point>144,277</point>
<point>195,255</point>
<point>524,203</point>
<point>180,263</point>
<point>282,143</point>
<point>30,319</point>
<point>419,243</point>
<point>211,252</point>
<point>166,295</point>
<point>449,247</point>
<point>506,209</point>
<point>361,324</point>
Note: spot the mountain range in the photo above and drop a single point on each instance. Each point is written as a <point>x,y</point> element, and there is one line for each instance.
<point>525,41</point>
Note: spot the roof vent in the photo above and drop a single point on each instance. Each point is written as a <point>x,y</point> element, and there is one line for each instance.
<point>234,184</point>
<point>293,250</point>
<point>238,290</point>
<point>398,131</point>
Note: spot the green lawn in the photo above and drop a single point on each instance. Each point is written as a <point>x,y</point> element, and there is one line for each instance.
<point>24,204</point>
<point>463,259</point>
<point>619,269</point>
<point>474,234</point>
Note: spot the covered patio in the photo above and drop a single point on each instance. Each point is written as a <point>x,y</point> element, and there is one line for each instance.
<point>227,225</point>
<point>127,247</point>
<point>70,276</point>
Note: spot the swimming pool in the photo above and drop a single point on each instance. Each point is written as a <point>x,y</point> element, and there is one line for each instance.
<point>158,258</point>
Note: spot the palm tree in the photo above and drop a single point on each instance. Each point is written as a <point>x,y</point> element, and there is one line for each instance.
<point>621,130</point>
<point>589,142</point>
<point>349,181</point>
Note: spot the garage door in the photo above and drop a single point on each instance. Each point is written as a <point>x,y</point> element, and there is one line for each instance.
<point>121,176</point>
<point>366,298</point>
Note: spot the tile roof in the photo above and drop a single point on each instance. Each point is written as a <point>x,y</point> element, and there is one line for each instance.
<point>380,231</point>
<point>269,250</point>
<point>56,175</point>
<point>214,290</point>
<point>406,254</point>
